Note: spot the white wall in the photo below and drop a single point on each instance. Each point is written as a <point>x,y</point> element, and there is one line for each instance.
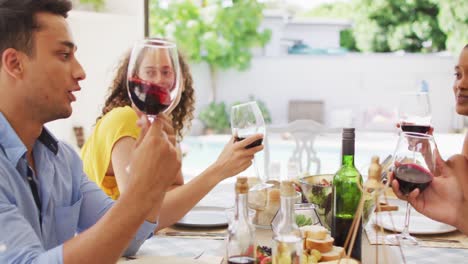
<point>101,39</point>
<point>354,81</point>
<point>126,7</point>
<point>316,33</point>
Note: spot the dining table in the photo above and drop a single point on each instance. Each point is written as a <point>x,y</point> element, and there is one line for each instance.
<point>211,249</point>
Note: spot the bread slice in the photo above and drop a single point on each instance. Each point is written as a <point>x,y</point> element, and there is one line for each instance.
<point>323,246</point>
<point>314,232</point>
<point>342,261</point>
<point>334,254</point>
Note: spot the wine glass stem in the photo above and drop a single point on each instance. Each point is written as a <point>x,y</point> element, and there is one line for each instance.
<point>405,232</point>
<point>151,118</point>
<point>257,172</point>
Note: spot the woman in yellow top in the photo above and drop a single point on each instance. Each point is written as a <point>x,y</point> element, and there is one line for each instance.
<point>108,150</point>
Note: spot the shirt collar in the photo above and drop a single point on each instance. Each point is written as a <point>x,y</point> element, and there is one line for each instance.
<point>13,146</point>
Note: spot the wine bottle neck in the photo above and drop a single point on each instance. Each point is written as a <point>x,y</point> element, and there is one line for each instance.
<point>348,152</point>
<point>347,160</point>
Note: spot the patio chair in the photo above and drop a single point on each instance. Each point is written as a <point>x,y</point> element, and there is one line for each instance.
<point>306,110</point>
<point>304,133</point>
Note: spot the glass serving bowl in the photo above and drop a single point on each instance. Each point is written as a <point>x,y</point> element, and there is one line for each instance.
<point>317,189</point>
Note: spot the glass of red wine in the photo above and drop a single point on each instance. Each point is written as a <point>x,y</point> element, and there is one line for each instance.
<point>414,112</point>
<point>414,164</point>
<point>247,120</point>
<point>154,77</point>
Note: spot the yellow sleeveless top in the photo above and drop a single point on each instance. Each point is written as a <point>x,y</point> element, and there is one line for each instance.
<point>96,152</point>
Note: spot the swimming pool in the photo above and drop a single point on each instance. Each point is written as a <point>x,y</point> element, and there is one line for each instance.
<point>201,151</point>
<point>204,150</point>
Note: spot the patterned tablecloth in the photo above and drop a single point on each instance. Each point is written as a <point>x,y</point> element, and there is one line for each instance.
<point>222,196</point>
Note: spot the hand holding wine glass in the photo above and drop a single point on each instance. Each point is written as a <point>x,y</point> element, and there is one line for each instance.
<point>154,77</point>
<point>448,190</point>
<point>414,112</point>
<point>247,120</point>
<point>413,169</point>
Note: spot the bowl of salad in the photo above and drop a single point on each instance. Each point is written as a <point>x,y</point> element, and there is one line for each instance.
<point>317,189</point>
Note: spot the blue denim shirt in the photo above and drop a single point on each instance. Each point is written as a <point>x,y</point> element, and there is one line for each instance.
<point>70,203</point>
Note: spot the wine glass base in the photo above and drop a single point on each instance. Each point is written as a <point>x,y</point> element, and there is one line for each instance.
<point>402,240</point>
<point>261,186</point>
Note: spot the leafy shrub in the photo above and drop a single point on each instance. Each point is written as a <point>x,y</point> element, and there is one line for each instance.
<point>390,25</point>
<point>216,116</point>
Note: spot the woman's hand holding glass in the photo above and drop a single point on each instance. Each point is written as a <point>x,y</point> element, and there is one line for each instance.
<point>444,199</point>
<point>236,157</point>
<point>413,170</point>
<point>247,120</point>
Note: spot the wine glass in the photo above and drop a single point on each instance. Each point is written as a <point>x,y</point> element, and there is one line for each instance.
<point>247,120</point>
<point>414,112</point>
<point>154,77</point>
<point>414,166</point>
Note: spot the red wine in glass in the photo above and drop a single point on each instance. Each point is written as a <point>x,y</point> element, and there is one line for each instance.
<point>256,143</point>
<point>241,260</point>
<point>411,176</point>
<point>148,97</point>
<point>415,128</point>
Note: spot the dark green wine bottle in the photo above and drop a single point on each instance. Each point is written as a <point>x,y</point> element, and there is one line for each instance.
<point>346,196</point>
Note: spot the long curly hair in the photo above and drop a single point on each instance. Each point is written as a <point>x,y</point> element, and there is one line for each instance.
<point>181,116</point>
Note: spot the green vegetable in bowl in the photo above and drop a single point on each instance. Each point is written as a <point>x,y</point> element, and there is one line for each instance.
<point>302,220</point>
<point>319,195</point>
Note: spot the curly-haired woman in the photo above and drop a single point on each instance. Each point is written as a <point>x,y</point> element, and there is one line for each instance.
<point>108,150</point>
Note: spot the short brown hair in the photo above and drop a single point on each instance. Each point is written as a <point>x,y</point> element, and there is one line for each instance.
<point>18,22</point>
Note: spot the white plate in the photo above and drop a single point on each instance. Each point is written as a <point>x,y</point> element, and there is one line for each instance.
<point>419,224</point>
<point>204,216</point>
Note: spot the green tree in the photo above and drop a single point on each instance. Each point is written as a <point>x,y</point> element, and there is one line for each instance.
<point>342,10</point>
<point>96,4</point>
<point>221,33</point>
<point>390,25</point>
<point>453,20</point>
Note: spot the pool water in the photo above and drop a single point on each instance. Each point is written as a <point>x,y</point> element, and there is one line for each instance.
<point>201,151</point>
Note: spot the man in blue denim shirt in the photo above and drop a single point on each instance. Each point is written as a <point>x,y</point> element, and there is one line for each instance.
<point>45,198</point>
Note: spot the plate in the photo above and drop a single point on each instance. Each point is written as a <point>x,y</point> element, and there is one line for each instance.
<point>419,224</point>
<point>204,216</point>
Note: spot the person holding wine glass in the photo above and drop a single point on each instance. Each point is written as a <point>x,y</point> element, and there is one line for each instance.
<point>108,149</point>
<point>446,198</point>
<point>247,120</point>
<point>50,212</point>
